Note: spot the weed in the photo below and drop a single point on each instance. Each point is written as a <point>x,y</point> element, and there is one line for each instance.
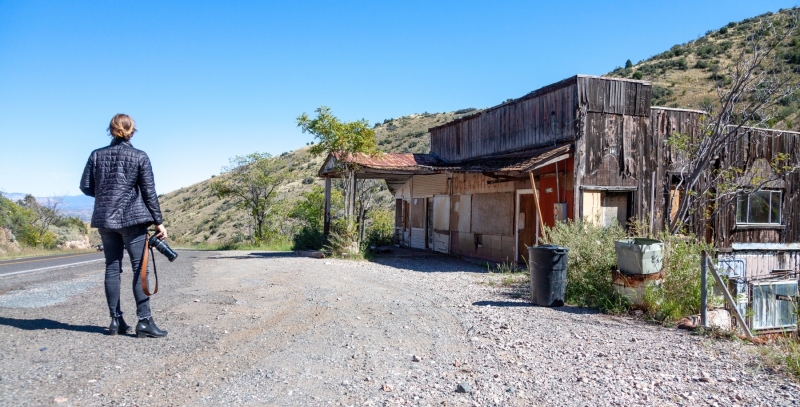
<point>589,262</point>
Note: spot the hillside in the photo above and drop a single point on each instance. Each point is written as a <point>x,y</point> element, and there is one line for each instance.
<point>194,215</point>
<point>686,75</point>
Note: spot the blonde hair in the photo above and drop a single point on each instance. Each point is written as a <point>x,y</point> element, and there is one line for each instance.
<point>122,126</point>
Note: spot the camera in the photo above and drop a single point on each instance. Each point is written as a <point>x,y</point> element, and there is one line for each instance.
<point>162,247</point>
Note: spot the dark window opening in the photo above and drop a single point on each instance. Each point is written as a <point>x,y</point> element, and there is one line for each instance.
<point>759,208</point>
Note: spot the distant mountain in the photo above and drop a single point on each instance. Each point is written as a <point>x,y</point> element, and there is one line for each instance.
<point>80,206</point>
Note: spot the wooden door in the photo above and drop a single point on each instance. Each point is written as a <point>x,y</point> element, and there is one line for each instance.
<point>526,225</point>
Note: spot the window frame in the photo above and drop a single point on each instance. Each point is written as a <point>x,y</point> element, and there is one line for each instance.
<point>742,198</point>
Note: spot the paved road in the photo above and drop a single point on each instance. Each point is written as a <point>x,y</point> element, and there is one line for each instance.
<point>22,266</point>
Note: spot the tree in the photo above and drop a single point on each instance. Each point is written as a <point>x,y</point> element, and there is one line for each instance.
<point>371,195</point>
<point>310,209</point>
<point>628,64</point>
<point>755,82</point>
<point>251,182</point>
<point>46,214</point>
<point>342,140</point>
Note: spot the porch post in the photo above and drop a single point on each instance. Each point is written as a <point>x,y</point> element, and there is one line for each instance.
<point>539,220</point>
<point>327,222</point>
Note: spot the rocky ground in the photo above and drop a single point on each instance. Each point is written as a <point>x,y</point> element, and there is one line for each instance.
<point>408,329</point>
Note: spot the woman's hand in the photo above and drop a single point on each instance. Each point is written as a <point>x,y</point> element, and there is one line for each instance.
<point>161,232</point>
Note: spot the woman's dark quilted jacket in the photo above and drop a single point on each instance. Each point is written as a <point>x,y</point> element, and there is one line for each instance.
<point>120,179</point>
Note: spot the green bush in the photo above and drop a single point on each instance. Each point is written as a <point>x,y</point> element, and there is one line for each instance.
<point>589,263</point>
<point>343,239</point>
<point>381,231</point>
<point>679,293</point>
<point>308,238</point>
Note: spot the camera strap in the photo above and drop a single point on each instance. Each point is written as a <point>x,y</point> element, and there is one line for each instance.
<point>143,266</point>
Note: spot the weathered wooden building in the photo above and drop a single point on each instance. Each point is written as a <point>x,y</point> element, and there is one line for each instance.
<point>583,148</point>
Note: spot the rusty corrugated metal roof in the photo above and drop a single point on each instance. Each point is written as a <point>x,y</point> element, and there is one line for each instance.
<point>522,161</point>
<point>406,163</point>
<point>397,161</point>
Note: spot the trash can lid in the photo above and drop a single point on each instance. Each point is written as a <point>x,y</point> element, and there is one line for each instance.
<point>550,247</point>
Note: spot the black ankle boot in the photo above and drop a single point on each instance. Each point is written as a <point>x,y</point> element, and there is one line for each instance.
<point>147,327</point>
<point>117,326</point>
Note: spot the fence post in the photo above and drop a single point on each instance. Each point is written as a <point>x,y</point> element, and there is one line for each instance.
<point>703,290</point>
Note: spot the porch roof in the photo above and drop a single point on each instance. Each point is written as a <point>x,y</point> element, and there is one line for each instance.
<point>397,168</point>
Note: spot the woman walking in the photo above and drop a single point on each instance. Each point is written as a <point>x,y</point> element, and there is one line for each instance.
<point>120,179</point>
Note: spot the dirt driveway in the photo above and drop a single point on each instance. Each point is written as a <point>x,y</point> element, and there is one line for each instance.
<point>409,329</point>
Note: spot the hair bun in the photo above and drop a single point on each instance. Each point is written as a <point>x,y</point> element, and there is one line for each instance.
<point>122,126</point>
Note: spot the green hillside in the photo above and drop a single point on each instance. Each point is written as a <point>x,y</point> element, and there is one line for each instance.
<point>194,215</point>
<point>687,75</point>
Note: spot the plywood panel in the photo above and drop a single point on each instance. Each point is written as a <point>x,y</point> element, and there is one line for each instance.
<point>417,213</point>
<point>441,242</point>
<point>441,212</point>
<point>615,209</point>
<point>493,213</point>
<point>592,203</point>
<point>418,238</point>
<point>460,213</point>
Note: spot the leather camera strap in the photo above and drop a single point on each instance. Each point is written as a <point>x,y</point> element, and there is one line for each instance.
<point>143,267</point>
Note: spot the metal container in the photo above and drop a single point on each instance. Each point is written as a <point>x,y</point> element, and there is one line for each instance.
<point>548,267</point>
<point>639,255</point>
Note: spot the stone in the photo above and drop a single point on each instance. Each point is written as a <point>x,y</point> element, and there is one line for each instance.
<point>463,388</point>
<point>415,358</point>
<point>386,387</point>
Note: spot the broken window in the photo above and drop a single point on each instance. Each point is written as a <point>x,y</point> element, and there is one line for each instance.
<point>773,305</point>
<point>759,208</point>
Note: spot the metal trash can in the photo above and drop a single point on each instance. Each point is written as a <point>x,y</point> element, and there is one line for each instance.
<point>548,265</point>
<point>639,255</point>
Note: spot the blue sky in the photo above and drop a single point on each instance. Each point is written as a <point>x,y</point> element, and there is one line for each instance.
<point>206,81</point>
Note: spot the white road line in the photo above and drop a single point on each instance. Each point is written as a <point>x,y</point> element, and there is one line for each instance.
<point>53,267</point>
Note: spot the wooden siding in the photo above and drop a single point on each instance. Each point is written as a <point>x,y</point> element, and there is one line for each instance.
<point>751,150</point>
<point>526,122</point>
<point>511,127</point>
<point>613,95</point>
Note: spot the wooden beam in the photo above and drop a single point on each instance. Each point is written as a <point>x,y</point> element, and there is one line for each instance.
<point>728,297</point>
<point>327,215</point>
<point>536,200</point>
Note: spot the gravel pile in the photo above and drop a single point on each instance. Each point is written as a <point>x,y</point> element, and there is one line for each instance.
<point>408,329</point>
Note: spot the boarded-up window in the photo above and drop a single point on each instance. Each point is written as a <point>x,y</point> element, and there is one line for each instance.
<point>441,212</point>
<point>493,213</point>
<point>592,206</point>
<point>605,208</point>
<point>460,213</point>
<point>418,213</point>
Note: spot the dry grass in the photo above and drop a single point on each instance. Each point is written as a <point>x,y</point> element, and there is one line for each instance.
<point>33,252</point>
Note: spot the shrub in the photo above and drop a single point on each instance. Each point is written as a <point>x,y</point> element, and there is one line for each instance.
<point>343,239</point>
<point>381,231</point>
<point>308,238</point>
<point>679,293</point>
<point>637,75</point>
<point>590,259</point>
<point>467,110</point>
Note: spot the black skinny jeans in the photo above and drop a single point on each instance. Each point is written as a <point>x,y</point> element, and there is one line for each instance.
<point>114,242</point>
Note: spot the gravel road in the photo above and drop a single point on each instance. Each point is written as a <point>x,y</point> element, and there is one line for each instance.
<point>408,329</point>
